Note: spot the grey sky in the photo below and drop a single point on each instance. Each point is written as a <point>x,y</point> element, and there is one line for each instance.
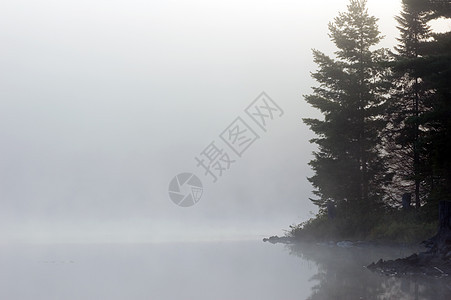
<point>103,102</point>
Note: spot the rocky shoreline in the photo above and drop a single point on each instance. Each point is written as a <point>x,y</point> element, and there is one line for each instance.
<point>343,244</point>
<point>277,239</point>
<point>432,263</point>
<point>416,264</point>
<point>435,262</point>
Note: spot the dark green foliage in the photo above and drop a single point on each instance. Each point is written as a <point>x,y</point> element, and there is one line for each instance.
<point>349,170</point>
<point>393,225</point>
<point>413,31</point>
<point>405,134</point>
<point>410,227</point>
<point>434,68</point>
<point>434,8</point>
<point>386,127</point>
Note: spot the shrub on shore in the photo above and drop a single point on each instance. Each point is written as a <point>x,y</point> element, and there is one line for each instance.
<point>392,227</point>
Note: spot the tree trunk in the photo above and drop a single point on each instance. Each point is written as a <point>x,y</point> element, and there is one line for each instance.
<point>416,154</point>
<point>444,215</point>
<point>441,243</point>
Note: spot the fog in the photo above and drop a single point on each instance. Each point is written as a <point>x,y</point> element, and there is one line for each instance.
<point>103,102</point>
<point>206,270</point>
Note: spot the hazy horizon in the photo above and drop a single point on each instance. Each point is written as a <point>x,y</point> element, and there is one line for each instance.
<point>104,102</point>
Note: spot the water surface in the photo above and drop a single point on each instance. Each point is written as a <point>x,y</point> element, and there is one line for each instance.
<point>204,270</point>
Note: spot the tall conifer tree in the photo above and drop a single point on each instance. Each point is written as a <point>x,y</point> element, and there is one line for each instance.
<point>348,166</point>
<point>433,66</point>
<point>405,137</point>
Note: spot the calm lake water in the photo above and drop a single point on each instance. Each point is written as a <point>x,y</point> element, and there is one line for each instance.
<point>207,270</point>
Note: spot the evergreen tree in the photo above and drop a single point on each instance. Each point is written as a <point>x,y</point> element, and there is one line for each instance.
<point>435,8</point>
<point>421,106</point>
<point>404,137</point>
<point>348,165</point>
<point>436,73</point>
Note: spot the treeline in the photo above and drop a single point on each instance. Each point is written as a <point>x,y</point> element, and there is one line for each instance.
<point>386,126</point>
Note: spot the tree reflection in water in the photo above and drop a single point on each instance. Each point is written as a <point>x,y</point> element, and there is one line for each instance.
<point>342,274</point>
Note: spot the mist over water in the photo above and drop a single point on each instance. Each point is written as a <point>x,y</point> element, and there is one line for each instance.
<point>342,274</point>
<point>103,103</point>
<point>210,270</point>
<point>206,270</point>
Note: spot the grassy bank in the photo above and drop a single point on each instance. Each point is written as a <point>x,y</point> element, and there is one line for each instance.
<point>391,227</point>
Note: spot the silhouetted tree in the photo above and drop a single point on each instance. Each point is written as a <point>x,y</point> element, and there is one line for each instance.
<point>352,92</point>
<point>434,67</point>
<point>404,141</point>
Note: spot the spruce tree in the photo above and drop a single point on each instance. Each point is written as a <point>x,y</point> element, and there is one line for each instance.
<point>348,166</point>
<point>405,141</point>
<point>436,73</point>
<point>420,109</point>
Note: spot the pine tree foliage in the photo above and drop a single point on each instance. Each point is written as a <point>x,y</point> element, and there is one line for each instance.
<point>434,68</point>
<point>386,125</point>
<point>349,167</point>
<point>405,141</point>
